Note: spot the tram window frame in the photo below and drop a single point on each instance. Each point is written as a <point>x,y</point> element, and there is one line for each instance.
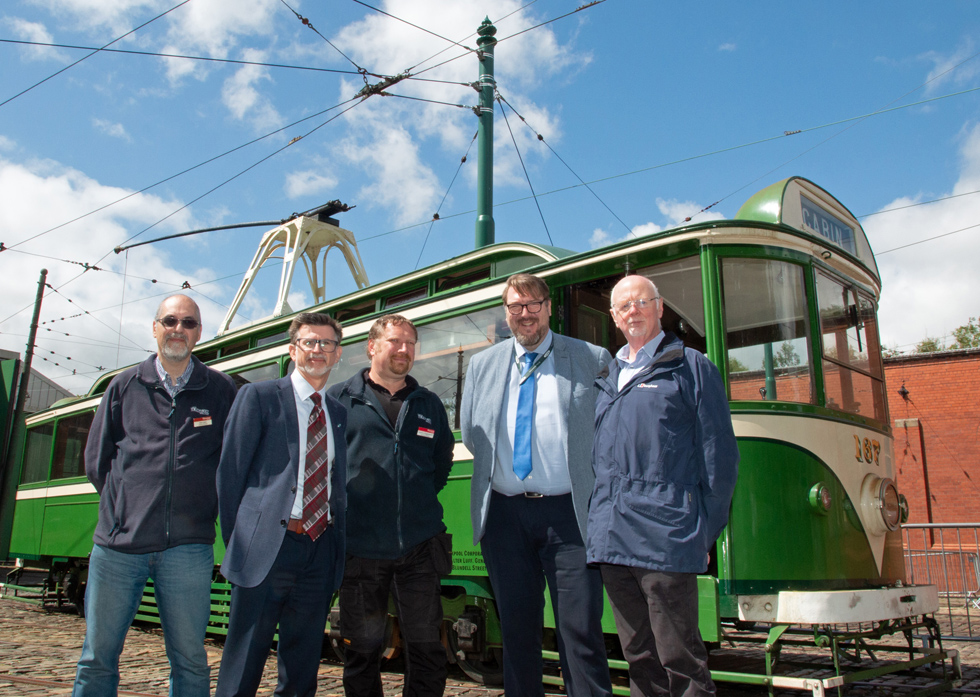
<point>68,447</point>
<point>790,326</point>
<point>859,311</point>
<point>37,458</point>
<point>493,330</point>
<point>239,375</point>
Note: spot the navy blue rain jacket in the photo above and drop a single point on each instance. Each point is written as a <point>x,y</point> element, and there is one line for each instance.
<point>153,458</point>
<point>666,462</point>
<point>394,475</point>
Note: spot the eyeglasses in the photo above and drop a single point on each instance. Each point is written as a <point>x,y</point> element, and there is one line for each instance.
<point>518,308</point>
<point>169,322</point>
<point>326,345</point>
<point>639,304</point>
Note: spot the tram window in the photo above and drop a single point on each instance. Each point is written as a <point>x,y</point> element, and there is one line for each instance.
<point>37,453</point>
<point>442,354</point>
<point>766,327</point>
<point>263,372</point>
<point>69,446</point>
<point>851,352</point>
<point>679,283</point>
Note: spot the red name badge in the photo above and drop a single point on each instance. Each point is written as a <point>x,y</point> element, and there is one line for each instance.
<point>427,432</point>
<point>202,421</point>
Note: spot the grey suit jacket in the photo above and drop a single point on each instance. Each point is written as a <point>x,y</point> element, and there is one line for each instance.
<point>257,479</point>
<point>577,364</point>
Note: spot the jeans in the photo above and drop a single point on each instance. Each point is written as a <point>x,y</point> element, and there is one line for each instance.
<point>415,585</point>
<point>182,586</point>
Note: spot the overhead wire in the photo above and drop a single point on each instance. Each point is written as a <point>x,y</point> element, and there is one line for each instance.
<point>182,56</point>
<point>561,159</point>
<point>449,188</point>
<point>72,65</point>
<point>526,175</point>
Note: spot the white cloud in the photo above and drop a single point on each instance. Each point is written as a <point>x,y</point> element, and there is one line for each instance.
<point>388,47</point>
<point>402,182</point>
<point>947,69</point>
<point>118,16</point>
<point>34,31</point>
<point>115,130</point>
<point>684,212</point>
<point>40,194</point>
<point>930,289</point>
<point>243,99</point>
<point>728,47</point>
<point>308,183</point>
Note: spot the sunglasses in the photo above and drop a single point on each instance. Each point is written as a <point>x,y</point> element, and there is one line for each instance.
<point>169,322</point>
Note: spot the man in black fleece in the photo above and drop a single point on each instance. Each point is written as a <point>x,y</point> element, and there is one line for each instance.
<point>400,451</point>
<point>152,453</point>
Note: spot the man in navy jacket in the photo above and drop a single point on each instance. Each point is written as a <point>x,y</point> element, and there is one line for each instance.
<point>282,500</point>
<point>666,462</point>
<point>400,451</point>
<point>151,454</point>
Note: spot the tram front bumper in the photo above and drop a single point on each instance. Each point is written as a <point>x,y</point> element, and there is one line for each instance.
<point>839,607</point>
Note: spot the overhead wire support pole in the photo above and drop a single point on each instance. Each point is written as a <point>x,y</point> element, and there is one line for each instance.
<point>10,474</point>
<point>484,178</point>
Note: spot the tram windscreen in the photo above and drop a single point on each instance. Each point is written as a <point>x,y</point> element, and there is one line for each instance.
<point>766,329</point>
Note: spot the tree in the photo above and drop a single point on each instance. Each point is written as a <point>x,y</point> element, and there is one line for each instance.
<point>929,345</point>
<point>968,335</point>
<point>736,366</point>
<point>786,357</point>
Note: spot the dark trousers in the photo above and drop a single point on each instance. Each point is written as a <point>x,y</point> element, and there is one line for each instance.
<point>295,596</point>
<point>657,622</point>
<point>528,541</point>
<point>414,584</point>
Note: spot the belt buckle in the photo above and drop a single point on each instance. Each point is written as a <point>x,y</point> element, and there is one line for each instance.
<point>533,495</point>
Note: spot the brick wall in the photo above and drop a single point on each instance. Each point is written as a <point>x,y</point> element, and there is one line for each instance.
<point>937,434</point>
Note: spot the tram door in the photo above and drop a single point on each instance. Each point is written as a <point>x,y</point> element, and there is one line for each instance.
<point>587,317</point>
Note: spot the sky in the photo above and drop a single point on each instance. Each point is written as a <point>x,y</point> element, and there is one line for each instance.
<point>665,108</point>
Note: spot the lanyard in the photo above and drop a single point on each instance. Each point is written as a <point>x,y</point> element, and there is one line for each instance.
<point>534,366</point>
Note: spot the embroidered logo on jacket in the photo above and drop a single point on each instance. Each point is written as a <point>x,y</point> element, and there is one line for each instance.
<point>198,410</point>
<point>647,385</point>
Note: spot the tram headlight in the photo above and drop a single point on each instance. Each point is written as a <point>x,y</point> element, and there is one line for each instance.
<point>820,498</point>
<point>882,504</point>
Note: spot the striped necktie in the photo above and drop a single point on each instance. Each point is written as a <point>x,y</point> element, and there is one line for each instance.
<point>316,502</point>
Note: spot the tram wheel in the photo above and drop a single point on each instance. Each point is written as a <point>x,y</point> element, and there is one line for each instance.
<point>489,672</point>
<point>75,591</point>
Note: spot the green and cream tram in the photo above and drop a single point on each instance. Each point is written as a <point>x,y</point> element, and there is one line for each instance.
<point>782,299</point>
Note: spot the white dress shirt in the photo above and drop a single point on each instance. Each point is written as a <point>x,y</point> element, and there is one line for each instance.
<point>304,407</point>
<point>549,462</point>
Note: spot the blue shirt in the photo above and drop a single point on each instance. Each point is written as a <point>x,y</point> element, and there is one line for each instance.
<point>644,357</point>
<point>173,386</point>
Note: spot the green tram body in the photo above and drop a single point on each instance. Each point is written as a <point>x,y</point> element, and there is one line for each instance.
<point>782,299</point>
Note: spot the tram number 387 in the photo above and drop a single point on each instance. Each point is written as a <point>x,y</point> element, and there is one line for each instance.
<point>866,450</point>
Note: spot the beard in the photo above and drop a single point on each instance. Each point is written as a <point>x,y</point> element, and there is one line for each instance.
<point>316,370</point>
<point>174,351</point>
<point>531,336</point>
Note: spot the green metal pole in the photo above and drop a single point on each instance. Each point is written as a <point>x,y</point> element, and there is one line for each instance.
<point>10,474</point>
<point>484,177</point>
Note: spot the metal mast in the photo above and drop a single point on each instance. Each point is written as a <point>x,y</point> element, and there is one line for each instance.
<point>484,180</point>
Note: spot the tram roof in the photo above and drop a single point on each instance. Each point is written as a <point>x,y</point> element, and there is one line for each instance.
<point>804,206</point>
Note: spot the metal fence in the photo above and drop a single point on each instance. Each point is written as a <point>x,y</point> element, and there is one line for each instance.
<point>947,556</point>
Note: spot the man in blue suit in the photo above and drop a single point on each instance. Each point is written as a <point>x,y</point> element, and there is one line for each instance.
<point>527,417</point>
<point>282,498</point>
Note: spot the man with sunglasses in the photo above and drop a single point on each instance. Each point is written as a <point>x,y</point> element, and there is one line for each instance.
<point>282,500</point>
<point>400,452</point>
<point>527,417</point>
<point>152,453</point>
<point>666,462</point>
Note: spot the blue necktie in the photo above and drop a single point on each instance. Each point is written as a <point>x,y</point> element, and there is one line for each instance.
<point>525,418</point>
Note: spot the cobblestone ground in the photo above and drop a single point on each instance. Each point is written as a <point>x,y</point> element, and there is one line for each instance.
<point>39,648</point>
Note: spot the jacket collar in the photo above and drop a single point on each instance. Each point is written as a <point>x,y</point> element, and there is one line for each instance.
<point>146,372</point>
<point>670,349</point>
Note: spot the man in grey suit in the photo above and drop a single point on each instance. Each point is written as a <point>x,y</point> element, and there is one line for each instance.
<point>282,483</point>
<point>527,417</point>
